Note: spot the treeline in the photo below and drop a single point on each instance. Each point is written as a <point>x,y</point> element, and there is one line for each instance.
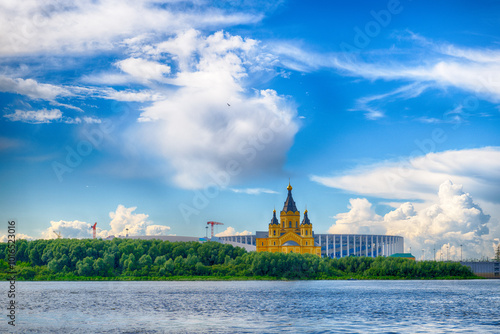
<point>74,259</point>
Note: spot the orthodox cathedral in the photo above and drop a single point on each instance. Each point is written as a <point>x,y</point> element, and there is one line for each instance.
<point>286,235</point>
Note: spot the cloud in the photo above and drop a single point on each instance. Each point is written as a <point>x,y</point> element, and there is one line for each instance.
<point>48,116</point>
<point>143,70</point>
<point>5,238</point>
<point>253,191</point>
<point>80,26</point>
<point>227,123</point>
<point>416,177</point>
<point>122,218</point>
<point>201,111</point>
<point>372,104</point>
<point>427,65</point>
<point>230,231</point>
<point>32,88</point>
<point>137,224</point>
<point>67,229</point>
<point>361,218</point>
<point>454,219</point>
<point>35,117</point>
<point>131,96</point>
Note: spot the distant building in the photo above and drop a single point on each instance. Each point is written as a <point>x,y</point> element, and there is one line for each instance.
<point>484,269</point>
<point>287,235</point>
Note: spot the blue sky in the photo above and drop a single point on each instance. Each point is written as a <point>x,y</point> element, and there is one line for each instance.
<point>159,116</point>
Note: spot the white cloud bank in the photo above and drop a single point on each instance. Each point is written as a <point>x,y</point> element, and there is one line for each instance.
<point>5,238</point>
<point>230,231</point>
<point>136,223</point>
<point>80,25</point>
<point>416,177</point>
<point>121,219</point>
<point>213,118</point>
<point>453,220</point>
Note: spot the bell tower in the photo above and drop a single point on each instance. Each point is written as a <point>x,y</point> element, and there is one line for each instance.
<point>274,227</point>
<point>289,216</point>
<point>306,226</point>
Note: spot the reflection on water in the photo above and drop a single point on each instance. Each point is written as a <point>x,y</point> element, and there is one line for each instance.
<point>258,307</point>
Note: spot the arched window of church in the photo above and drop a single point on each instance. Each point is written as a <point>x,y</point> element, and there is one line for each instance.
<point>290,224</point>
<point>274,232</point>
<point>275,243</point>
<point>262,244</point>
<point>306,232</point>
<point>306,241</point>
<point>283,224</point>
<point>296,224</point>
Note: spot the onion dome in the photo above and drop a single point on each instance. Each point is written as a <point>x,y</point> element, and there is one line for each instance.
<point>274,221</point>
<point>306,220</point>
<point>289,203</point>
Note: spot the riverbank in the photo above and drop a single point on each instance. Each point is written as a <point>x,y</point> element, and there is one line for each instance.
<point>154,260</point>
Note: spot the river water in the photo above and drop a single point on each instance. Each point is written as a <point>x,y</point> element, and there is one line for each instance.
<point>256,307</point>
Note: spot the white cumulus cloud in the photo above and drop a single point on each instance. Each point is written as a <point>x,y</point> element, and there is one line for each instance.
<point>124,218</point>
<point>5,238</point>
<point>214,118</point>
<point>361,218</point>
<point>454,219</point>
<point>230,231</point>
<point>67,229</point>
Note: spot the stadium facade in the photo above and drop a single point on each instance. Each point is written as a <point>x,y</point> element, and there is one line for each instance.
<point>339,245</point>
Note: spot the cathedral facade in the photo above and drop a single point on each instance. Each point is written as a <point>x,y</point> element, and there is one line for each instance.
<point>287,235</point>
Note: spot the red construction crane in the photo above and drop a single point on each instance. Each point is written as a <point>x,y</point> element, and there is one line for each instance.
<point>213,223</point>
<point>93,228</point>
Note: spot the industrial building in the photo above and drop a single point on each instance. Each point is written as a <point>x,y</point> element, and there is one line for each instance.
<point>484,269</point>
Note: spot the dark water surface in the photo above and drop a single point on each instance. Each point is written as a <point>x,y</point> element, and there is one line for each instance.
<point>257,307</point>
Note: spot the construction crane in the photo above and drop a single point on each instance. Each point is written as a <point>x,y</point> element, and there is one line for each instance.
<point>93,230</point>
<point>58,234</point>
<point>213,223</point>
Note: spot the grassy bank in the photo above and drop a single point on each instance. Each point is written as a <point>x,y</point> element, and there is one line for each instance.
<point>132,259</point>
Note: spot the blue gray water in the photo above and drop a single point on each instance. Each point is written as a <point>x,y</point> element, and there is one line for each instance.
<point>258,307</point>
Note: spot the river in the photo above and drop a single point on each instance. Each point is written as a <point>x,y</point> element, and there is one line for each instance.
<point>465,306</point>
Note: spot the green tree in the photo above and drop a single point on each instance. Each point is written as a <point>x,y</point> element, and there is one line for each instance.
<point>85,267</point>
<point>145,261</point>
<point>101,267</point>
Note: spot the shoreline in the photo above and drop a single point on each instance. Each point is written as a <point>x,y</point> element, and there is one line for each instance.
<point>237,278</point>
